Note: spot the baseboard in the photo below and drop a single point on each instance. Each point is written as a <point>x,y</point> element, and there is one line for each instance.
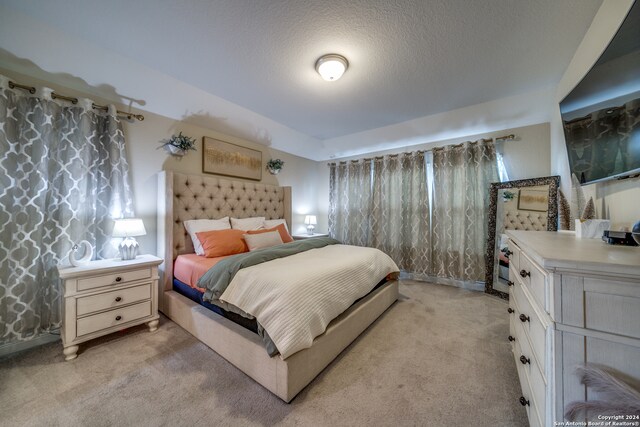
<point>15,347</point>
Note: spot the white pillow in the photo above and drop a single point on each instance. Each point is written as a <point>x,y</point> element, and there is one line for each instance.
<point>194,226</point>
<point>270,223</point>
<point>255,223</point>
<point>262,240</point>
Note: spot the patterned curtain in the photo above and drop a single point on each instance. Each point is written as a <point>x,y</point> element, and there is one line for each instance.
<point>350,202</point>
<point>461,178</point>
<point>400,211</point>
<point>63,176</point>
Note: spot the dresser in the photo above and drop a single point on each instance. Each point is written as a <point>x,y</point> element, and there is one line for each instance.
<point>105,296</point>
<point>572,301</point>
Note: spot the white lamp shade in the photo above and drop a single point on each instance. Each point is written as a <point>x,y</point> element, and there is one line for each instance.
<point>310,220</point>
<point>129,227</point>
<point>331,67</point>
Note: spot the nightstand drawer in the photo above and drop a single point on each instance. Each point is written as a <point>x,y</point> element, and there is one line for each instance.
<point>113,299</point>
<point>113,279</point>
<point>105,320</point>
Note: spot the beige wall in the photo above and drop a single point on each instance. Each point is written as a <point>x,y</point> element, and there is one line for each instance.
<point>146,160</point>
<point>615,200</point>
<point>527,157</point>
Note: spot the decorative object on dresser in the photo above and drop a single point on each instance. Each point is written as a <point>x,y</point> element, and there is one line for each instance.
<point>224,158</point>
<point>85,249</point>
<point>635,232</point>
<point>572,301</point>
<point>105,296</point>
<point>274,166</point>
<point>178,145</point>
<point>128,229</point>
<point>587,227</point>
<point>525,204</point>
<point>311,222</point>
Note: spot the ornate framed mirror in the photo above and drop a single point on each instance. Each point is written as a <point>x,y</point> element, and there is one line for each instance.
<point>525,204</point>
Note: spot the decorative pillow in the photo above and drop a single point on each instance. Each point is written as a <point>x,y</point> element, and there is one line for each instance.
<point>262,240</point>
<point>222,242</point>
<point>254,223</point>
<point>194,226</point>
<point>281,229</point>
<point>270,223</point>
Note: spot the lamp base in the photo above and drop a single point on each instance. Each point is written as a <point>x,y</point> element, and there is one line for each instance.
<point>310,229</point>
<point>128,248</point>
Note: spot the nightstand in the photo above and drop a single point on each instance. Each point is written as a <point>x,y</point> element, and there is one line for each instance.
<point>308,236</point>
<point>105,296</point>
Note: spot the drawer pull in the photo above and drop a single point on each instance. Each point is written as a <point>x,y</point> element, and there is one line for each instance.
<point>119,279</point>
<point>511,338</point>
<point>523,401</point>
<point>525,273</point>
<point>509,283</point>
<point>510,310</point>
<point>524,360</point>
<point>118,318</point>
<point>118,299</point>
<point>524,318</point>
<point>507,253</point>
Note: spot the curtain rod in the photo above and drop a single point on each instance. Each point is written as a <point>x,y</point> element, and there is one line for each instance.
<point>510,137</point>
<point>74,101</point>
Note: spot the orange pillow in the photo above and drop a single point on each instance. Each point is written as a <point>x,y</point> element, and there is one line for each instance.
<point>222,242</point>
<point>280,228</point>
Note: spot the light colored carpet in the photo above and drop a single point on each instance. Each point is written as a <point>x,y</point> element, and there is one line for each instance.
<point>438,357</point>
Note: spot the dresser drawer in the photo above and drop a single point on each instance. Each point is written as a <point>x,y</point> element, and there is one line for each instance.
<point>113,299</point>
<point>534,327</point>
<point>113,279</point>
<point>514,258</point>
<point>537,382</point>
<point>534,414</point>
<point>535,280</point>
<point>97,322</point>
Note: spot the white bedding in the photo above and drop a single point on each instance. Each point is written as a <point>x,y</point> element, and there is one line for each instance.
<point>295,298</point>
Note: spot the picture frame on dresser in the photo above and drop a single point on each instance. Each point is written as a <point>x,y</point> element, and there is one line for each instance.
<point>516,205</point>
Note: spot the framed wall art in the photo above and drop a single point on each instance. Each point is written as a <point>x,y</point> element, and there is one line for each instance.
<point>533,200</point>
<point>224,158</point>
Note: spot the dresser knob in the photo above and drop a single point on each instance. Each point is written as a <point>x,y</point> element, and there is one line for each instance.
<point>507,253</point>
<point>524,360</point>
<point>523,401</point>
<point>509,283</point>
<point>511,338</point>
<point>118,318</point>
<point>510,310</point>
<point>119,279</point>
<point>524,318</point>
<point>525,273</point>
<point>118,299</point>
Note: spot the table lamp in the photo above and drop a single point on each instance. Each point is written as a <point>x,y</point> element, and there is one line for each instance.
<point>311,221</point>
<point>128,229</point>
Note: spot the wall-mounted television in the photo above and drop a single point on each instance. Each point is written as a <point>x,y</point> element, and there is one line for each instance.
<point>601,115</point>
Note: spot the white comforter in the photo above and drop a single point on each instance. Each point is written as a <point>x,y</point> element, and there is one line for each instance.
<point>295,298</point>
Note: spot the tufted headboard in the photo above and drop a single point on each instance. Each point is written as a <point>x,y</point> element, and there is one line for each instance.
<point>182,197</point>
<point>525,220</point>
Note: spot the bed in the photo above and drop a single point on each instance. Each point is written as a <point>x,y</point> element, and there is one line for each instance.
<point>182,197</point>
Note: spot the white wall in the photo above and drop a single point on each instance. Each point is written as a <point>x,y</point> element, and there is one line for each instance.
<point>527,157</point>
<point>146,160</point>
<point>615,200</point>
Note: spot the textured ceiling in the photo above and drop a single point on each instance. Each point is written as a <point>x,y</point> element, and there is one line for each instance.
<point>408,59</point>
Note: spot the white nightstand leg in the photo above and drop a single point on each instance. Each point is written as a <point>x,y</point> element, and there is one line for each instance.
<point>70,352</point>
<point>153,325</point>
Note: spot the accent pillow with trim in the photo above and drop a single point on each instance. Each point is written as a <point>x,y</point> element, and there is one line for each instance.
<point>270,223</point>
<point>218,243</point>
<point>194,226</point>
<point>281,229</point>
<point>255,223</point>
<point>262,240</point>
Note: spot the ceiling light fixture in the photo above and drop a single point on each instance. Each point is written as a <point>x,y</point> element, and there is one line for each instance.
<point>331,67</point>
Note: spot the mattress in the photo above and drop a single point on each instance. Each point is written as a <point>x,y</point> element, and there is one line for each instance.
<point>189,268</point>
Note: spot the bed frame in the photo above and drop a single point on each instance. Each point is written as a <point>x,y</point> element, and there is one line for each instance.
<point>182,197</point>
